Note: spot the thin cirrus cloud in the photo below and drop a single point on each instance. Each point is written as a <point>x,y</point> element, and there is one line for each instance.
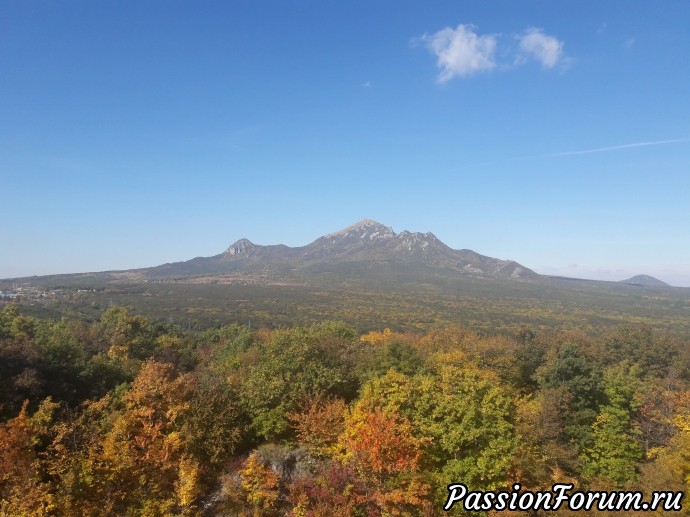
<point>463,52</point>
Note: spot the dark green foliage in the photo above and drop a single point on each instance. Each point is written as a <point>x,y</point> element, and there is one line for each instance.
<point>101,374</point>
<point>570,370</point>
<point>222,347</point>
<point>215,426</point>
<point>529,355</point>
<point>616,447</point>
<point>65,360</point>
<point>654,355</point>
<point>394,355</point>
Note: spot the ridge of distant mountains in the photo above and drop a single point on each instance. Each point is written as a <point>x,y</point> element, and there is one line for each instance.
<point>367,243</point>
<point>365,251</point>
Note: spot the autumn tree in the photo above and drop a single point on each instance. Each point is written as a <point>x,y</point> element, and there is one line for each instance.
<point>260,484</point>
<point>383,450</point>
<point>333,489</point>
<point>318,422</point>
<point>671,462</point>
<point>23,489</point>
<point>148,465</point>
<point>463,416</point>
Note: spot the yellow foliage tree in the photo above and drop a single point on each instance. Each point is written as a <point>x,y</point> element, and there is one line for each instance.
<point>22,491</point>
<point>260,484</point>
<point>376,338</point>
<point>146,462</point>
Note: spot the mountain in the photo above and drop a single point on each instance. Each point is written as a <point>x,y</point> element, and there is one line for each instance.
<point>644,280</point>
<point>366,275</point>
<point>366,245</point>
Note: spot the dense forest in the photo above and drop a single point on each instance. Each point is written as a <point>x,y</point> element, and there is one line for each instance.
<point>128,416</point>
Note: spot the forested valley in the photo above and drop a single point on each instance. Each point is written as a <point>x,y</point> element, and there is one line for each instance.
<point>127,416</point>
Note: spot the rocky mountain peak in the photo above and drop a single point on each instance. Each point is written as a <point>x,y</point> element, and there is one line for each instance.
<point>241,247</point>
<point>364,229</point>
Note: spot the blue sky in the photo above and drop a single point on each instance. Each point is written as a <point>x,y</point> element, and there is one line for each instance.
<point>556,134</point>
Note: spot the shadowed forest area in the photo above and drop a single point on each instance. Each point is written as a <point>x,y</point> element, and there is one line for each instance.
<point>128,416</point>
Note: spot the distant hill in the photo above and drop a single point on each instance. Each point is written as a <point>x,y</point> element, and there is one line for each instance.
<point>644,280</point>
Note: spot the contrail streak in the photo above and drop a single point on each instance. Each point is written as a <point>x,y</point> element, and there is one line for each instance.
<point>618,147</point>
<point>584,151</point>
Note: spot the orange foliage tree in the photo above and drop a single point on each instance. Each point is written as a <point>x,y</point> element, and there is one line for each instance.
<point>383,450</point>
<point>22,489</point>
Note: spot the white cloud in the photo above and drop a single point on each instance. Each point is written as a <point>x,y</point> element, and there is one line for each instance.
<point>461,51</point>
<point>628,43</point>
<point>533,43</point>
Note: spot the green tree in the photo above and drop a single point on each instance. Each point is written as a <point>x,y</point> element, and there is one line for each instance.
<point>653,354</point>
<point>464,413</point>
<point>616,448</point>
<point>126,336</point>
<point>290,366</point>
